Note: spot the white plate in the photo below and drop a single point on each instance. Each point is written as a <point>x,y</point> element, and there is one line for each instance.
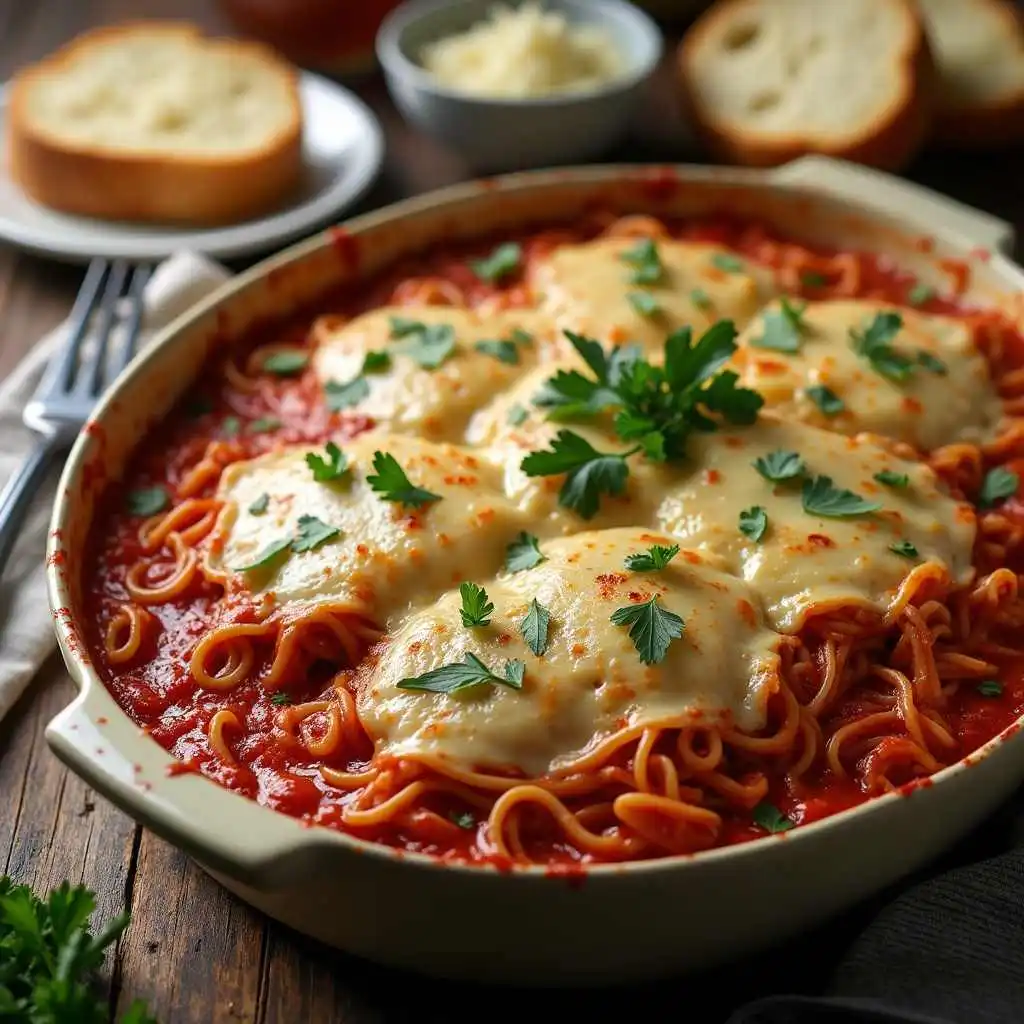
<point>342,146</point>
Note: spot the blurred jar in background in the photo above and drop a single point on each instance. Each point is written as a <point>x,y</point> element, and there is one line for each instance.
<point>334,37</point>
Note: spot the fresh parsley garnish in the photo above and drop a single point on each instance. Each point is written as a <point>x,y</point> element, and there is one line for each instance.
<point>644,303</point>
<point>285,363</point>
<point>230,426</point>
<point>779,466</point>
<point>990,688</point>
<point>820,498</point>
<point>462,675</point>
<point>999,483</point>
<point>700,299</point>
<point>517,415</point>
<point>503,261</point>
<point>770,818</point>
<point>340,396</point>
<point>334,467</point>
<point>645,262</point>
<point>376,362</point>
<point>651,628</point>
<point>147,501</point>
<point>920,294</point>
<point>812,279</point>
<point>523,553</point>
<point>267,556</point>
<point>753,522</point>
<point>281,699</point>
<point>730,264</point>
<point>534,628</point>
<point>891,478</point>
<point>932,363</point>
<point>783,328</point>
<point>477,608</point>
<point>825,399</point>
<point>504,350</point>
<point>391,483</point>
<point>312,532</point>
<point>874,344</point>
<point>904,548</point>
<point>464,819</point>
<point>259,506</point>
<point>427,344</point>
<point>654,559</point>
<point>264,425</point>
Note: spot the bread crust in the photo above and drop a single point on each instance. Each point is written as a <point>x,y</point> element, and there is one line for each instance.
<point>142,186</point>
<point>889,144</point>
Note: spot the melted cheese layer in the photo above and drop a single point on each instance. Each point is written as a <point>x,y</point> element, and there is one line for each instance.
<point>927,410</point>
<point>807,562</point>
<point>586,287</point>
<point>590,682</point>
<point>387,557</point>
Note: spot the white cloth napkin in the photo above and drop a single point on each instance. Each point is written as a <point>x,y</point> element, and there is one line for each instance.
<point>26,630</point>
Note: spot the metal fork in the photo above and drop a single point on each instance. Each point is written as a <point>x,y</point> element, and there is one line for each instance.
<point>111,295</point>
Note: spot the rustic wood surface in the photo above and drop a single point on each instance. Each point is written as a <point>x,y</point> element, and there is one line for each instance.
<point>194,952</point>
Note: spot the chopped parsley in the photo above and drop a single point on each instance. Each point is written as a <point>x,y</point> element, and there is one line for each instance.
<point>427,344</point>
<point>783,328</point>
<point>825,399</point>
<point>504,350</point>
<point>932,362</point>
<point>376,362</point>
<point>230,426</point>
<point>517,415</point>
<point>523,553</point>
<point>462,675</point>
<point>147,501</point>
<point>990,688</point>
<point>770,818</point>
<point>999,483</point>
<point>651,628</point>
<point>334,467</point>
<point>505,260</point>
<point>892,479</point>
<point>779,466</point>
<point>259,506</point>
<point>264,425</point>
<point>654,559</point>
<point>340,396</point>
<point>281,699</point>
<point>644,261</point>
<point>534,628</point>
<point>312,532</point>
<point>874,344</point>
<point>286,363</point>
<point>391,483</point>
<point>477,608</point>
<point>464,819</point>
<point>812,279</point>
<point>820,498</point>
<point>700,299</point>
<point>730,264</point>
<point>904,548</point>
<point>753,522</point>
<point>267,556</point>
<point>643,303</point>
<point>920,294</point>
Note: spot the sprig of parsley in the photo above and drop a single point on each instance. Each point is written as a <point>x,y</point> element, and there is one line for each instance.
<point>825,399</point>
<point>820,498</point>
<point>286,363</point>
<point>875,344</point>
<point>334,467</point>
<point>462,675</point>
<point>338,395</point>
<point>534,627</point>
<point>654,559</point>
<point>310,533</point>
<point>523,553</point>
<point>780,466</point>
<point>753,522</point>
<point>999,483</point>
<point>891,478</point>
<point>904,548</point>
<point>391,483</point>
<point>477,608</point>
<point>148,501</point>
<point>505,260</point>
<point>651,628</point>
<point>643,303</point>
<point>783,328</point>
<point>427,344</point>
<point>645,262</point>
<point>770,818</point>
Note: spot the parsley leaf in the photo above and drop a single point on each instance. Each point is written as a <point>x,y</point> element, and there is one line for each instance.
<point>461,675</point>
<point>312,532</point>
<point>259,506</point>
<point>990,688</point>
<point>391,483</point>
<point>376,362</point>
<point>517,415</point>
<point>700,299</point>
<point>999,483</point>
<point>645,261</point>
<point>904,548</point>
<point>920,294</point>
<point>783,328</point>
<point>334,467</point>
<point>874,344</point>
<point>286,363</point>
<point>464,819</point>
<point>655,558</point>
<point>230,426</point>
<point>281,699</point>
<point>477,608</point>
<point>427,344</point>
<point>825,399</point>
<point>589,473</point>
<point>770,818</point>
<point>534,628</point>
<point>266,557</point>
<point>812,279</point>
<point>505,350</point>
<point>264,425</point>
<point>779,466</point>
<point>147,501</point>
<point>932,363</point>
<point>651,628</point>
<point>523,553</point>
<point>891,478</point>
<point>753,522</point>
<point>503,261</point>
<point>730,264</point>
<point>820,498</point>
<point>643,303</point>
<point>342,396</point>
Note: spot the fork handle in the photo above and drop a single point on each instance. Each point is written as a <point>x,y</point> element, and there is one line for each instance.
<point>17,496</point>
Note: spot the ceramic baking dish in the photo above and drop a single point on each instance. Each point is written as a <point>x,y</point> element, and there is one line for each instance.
<point>524,925</point>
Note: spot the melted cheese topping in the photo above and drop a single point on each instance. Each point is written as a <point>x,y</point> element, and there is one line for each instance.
<point>589,683</point>
<point>806,561</point>
<point>585,287</point>
<point>928,410</point>
<point>387,557</point>
<point>410,398</point>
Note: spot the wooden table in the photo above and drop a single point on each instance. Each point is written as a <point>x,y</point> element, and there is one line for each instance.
<point>194,952</point>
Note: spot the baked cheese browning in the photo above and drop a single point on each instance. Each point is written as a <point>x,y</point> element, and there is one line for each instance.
<point>424,369</point>
<point>589,684</point>
<point>802,561</point>
<point>383,556</point>
<point>629,289</point>
<point>810,363</point>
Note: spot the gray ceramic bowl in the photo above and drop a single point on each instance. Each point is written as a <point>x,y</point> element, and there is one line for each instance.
<point>501,134</point>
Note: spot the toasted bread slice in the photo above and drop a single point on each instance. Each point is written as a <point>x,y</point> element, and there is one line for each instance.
<point>979,51</point>
<point>765,81</point>
<point>153,122</point>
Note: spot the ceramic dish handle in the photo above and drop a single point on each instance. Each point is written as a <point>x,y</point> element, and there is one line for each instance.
<point>894,195</point>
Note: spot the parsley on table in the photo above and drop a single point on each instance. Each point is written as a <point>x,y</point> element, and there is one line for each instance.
<point>505,260</point>
<point>990,688</point>
<point>534,628</point>
<point>334,467</point>
<point>376,362</point>
<point>753,522</point>
<point>148,501</point>
<point>920,294</point>
<point>825,399</point>
<point>523,553</point>
<point>820,498</point>
<point>264,425</point>
<point>285,363</point>
<point>312,532</point>
<point>504,350</point>
<point>281,699</point>
<point>904,548</point>
<point>48,957</point>
<point>259,506</point>
<point>891,478</point>
<point>477,608</point>
<point>770,818</point>
<point>779,466</point>
<point>461,675</point>
<point>651,628</point>
<point>932,363</point>
<point>517,415</point>
<point>427,344</point>
<point>730,264</point>
<point>340,396</point>
<point>874,344</point>
<point>391,483</point>
<point>643,303</point>
<point>783,328</point>
<point>644,261</point>
<point>999,483</point>
<point>654,559</point>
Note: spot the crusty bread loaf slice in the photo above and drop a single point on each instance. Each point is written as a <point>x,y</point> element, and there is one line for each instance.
<point>765,81</point>
<point>153,122</point>
<point>979,50</point>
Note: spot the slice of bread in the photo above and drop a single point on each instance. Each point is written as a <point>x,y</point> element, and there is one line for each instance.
<point>979,50</point>
<point>765,81</point>
<point>152,122</point>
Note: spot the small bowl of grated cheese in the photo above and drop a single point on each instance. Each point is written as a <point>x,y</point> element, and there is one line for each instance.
<point>516,85</point>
